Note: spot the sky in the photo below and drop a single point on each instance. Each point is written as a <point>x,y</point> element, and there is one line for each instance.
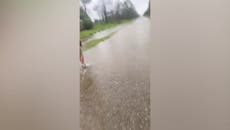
<point>140,5</point>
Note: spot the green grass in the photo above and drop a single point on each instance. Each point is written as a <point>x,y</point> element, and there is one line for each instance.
<point>100,27</point>
<point>96,41</point>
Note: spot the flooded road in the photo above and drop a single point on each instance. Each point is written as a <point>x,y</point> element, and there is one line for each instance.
<point>115,89</point>
<point>104,33</point>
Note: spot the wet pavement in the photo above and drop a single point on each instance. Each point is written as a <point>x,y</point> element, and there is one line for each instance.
<point>103,33</point>
<point>115,88</point>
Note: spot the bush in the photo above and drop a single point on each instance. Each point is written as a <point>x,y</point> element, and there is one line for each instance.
<point>87,24</point>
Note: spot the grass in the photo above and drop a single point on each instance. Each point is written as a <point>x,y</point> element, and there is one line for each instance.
<point>100,27</point>
<point>97,41</point>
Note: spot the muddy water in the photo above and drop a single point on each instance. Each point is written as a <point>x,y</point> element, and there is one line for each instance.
<point>115,89</point>
<point>104,33</point>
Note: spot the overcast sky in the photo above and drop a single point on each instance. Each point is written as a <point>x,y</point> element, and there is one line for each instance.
<point>140,5</point>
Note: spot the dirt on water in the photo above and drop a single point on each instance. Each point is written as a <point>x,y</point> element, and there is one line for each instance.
<point>115,88</point>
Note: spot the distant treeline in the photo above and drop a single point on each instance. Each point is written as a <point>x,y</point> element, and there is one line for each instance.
<point>85,21</point>
<point>147,12</point>
<point>108,12</point>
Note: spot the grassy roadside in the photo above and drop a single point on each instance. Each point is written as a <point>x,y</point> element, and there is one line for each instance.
<point>96,41</point>
<point>100,27</point>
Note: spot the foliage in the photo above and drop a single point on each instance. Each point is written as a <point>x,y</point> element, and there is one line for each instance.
<point>86,22</point>
<point>86,1</point>
<point>147,12</point>
<point>128,10</point>
<point>100,27</point>
<point>109,17</point>
<point>121,11</point>
<point>97,41</point>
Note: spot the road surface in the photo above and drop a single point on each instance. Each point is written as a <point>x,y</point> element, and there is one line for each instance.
<point>115,89</point>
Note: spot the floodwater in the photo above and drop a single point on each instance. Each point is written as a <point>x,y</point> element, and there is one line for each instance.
<point>115,88</point>
<point>104,33</point>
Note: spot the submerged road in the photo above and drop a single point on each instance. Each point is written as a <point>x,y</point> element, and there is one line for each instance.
<point>115,89</point>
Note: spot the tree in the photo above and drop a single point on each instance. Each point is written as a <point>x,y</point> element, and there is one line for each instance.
<point>117,10</point>
<point>102,9</point>
<point>98,9</point>
<point>128,10</point>
<point>120,10</point>
<point>147,12</point>
<point>85,22</point>
<point>84,2</point>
